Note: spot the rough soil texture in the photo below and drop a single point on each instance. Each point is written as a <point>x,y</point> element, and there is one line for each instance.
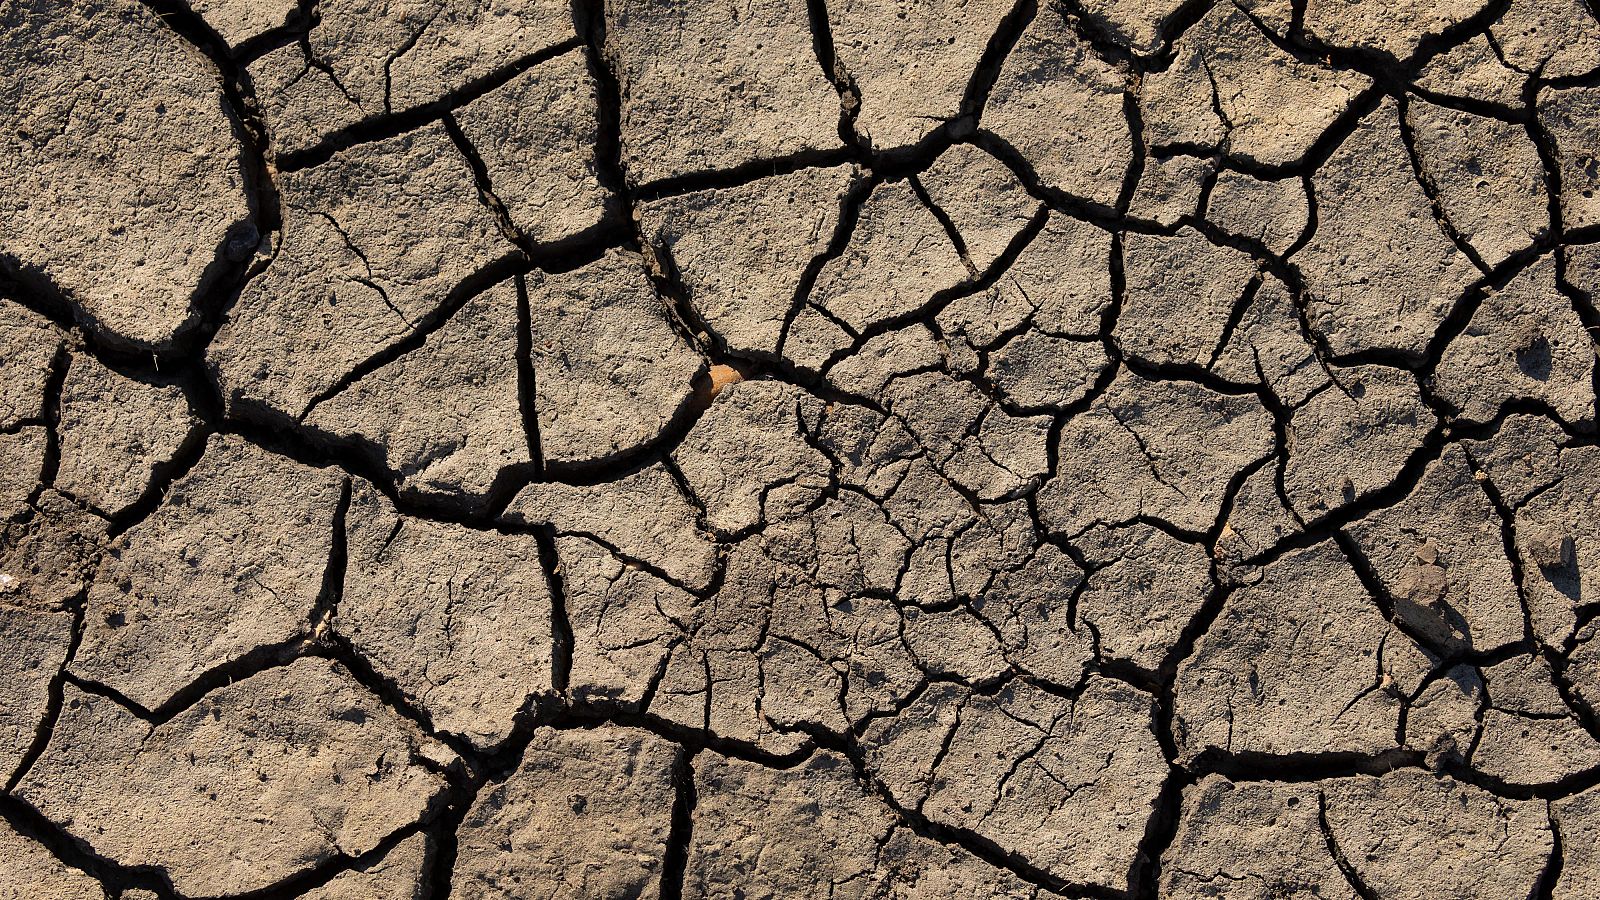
<point>856,449</point>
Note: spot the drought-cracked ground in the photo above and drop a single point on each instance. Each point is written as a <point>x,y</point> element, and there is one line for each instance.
<point>866,449</point>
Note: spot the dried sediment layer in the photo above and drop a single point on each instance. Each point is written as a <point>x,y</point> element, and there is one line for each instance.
<point>891,451</point>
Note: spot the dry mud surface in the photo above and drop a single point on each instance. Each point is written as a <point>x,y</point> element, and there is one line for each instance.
<point>856,449</point>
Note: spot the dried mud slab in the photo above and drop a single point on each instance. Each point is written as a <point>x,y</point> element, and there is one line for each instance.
<point>261,779</point>
<point>712,86</point>
<point>1053,99</point>
<point>30,872</point>
<point>586,814</point>
<point>1379,295</point>
<point>742,252</point>
<point>865,449</point>
<point>361,60</point>
<point>374,241</point>
<point>1232,88</point>
<point>911,62</point>
<point>125,190</point>
<point>456,619</point>
<point>233,560</point>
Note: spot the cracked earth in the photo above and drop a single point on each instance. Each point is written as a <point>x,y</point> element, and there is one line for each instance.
<point>871,449</point>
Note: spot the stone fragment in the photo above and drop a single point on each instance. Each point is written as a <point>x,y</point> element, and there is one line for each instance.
<point>1472,70</point>
<point>1487,176</point>
<point>1294,663</point>
<point>609,370</point>
<point>1578,818</point>
<point>1066,785</point>
<point>898,257</point>
<point>233,560</point>
<point>1397,29</point>
<point>1524,342</point>
<point>114,432</point>
<point>764,832</point>
<point>641,516</point>
<point>124,188</point>
<point>1378,295</point>
<point>585,814</point>
<point>259,780</point>
<point>35,649</point>
<point>709,86</point>
<point>911,61</point>
<point>1571,119</point>
<point>536,137</point>
<point>1276,213</point>
<point>1352,438</point>
<point>1549,38</point>
<point>458,619</point>
<point>1230,87</point>
<point>1061,107</point>
<point>747,460</point>
<point>28,871</point>
<point>1143,589</point>
<point>982,198</point>
<point>364,59</point>
<point>396,876</point>
<point>742,251</point>
<point>28,346</point>
<point>1440,556</point>
<point>1159,449</point>
<point>1390,830</point>
<point>1252,840</point>
<point>237,21</point>
<point>374,241</point>
<point>1531,737</point>
<point>444,418</point>
<point>1181,293</point>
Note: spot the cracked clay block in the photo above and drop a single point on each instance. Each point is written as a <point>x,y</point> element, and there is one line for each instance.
<point>115,433</point>
<point>460,423</point>
<point>374,241</point>
<point>586,814</point>
<point>741,251</point>
<point>364,59</point>
<point>911,61</point>
<point>1325,697</point>
<point>258,780</point>
<point>850,449</point>
<point>1055,97</point>
<point>123,185</point>
<point>29,872</point>
<point>233,559</point>
<point>456,618</point>
<point>1378,295</point>
<point>711,86</point>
